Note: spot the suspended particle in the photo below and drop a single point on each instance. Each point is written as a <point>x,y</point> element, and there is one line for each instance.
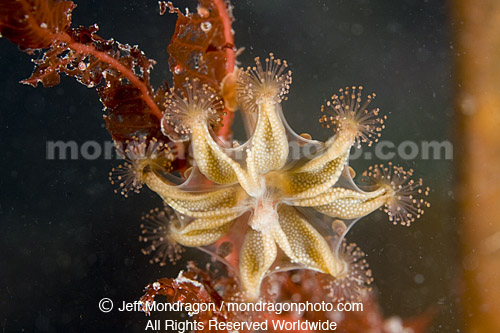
<point>203,12</point>
<point>206,26</point>
<point>178,69</point>
<point>82,66</point>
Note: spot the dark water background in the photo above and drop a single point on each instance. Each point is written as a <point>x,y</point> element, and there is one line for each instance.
<point>67,240</point>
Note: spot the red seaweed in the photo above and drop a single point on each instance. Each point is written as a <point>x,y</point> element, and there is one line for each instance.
<point>120,72</point>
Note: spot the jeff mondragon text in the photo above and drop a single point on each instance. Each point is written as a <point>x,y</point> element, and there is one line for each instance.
<point>277,308</point>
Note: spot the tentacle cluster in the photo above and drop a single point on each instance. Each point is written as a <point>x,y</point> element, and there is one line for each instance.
<point>194,103</point>
<point>155,231</point>
<point>404,204</point>
<point>347,110</point>
<point>139,153</point>
<point>356,277</point>
<point>263,83</point>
